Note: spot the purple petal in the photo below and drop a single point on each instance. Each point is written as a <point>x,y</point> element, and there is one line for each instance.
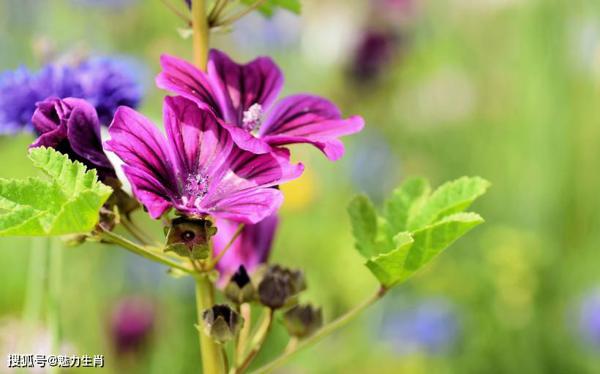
<point>83,131</point>
<point>247,141</point>
<point>309,119</point>
<point>240,195</point>
<point>150,167</point>
<point>238,87</point>
<point>250,249</point>
<point>198,140</point>
<point>183,78</point>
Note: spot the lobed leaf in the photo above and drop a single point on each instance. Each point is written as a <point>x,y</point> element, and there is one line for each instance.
<point>67,203</point>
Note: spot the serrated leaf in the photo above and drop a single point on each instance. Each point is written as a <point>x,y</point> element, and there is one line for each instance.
<point>68,203</point>
<point>405,202</point>
<point>451,197</point>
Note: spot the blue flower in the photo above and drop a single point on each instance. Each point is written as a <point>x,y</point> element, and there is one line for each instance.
<point>430,326</point>
<point>105,82</point>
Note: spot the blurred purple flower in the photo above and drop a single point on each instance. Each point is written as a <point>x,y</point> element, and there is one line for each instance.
<point>131,323</point>
<point>242,95</point>
<point>71,127</point>
<point>374,52</point>
<point>104,82</point>
<point>250,249</point>
<point>431,326</point>
<point>589,318</point>
<point>197,169</point>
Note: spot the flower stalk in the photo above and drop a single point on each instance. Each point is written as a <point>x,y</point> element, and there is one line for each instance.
<point>212,357</point>
<point>323,332</point>
<point>200,33</point>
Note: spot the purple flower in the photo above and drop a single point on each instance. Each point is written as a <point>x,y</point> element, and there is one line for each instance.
<point>373,53</point>
<point>250,249</point>
<point>131,323</point>
<point>243,96</point>
<point>71,127</point>
<point>105,83</point>
<point>197,169</point>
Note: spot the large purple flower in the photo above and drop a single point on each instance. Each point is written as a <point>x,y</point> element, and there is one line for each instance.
<point>243,96</point>
<point>71,126</point>
<point>250,249</point>
<point>197,169</point>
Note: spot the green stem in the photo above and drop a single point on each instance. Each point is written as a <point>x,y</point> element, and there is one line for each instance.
<point>36,279</point>
<point>55,273</point>
<point>200,33</point>
<point>212,361</point>
<point>113,238</point>
<point>240,347</point>
<point>257,342</point>
<point>216,10</point>
<point>324,331</point>
<point>243,13</point>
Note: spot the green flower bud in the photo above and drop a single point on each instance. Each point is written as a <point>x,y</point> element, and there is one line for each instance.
<point>303,320</point>
<point>280,286</point>
<point>240,288</point>
<point>189,237</point>
<point>221,322</point>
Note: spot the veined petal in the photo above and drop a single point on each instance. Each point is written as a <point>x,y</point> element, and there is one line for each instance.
<point>239,86</point>
<point>199,142</point>
<point>183,78</point>
<point>247,141</point>
<point>251,248</point>
<point>150,167</point>
<point>309,119</point>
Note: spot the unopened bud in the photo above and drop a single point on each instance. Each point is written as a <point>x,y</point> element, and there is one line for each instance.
<point>221,322</point>
<point>240,288</point>
<point>280,286</point>
<point>303,320</point>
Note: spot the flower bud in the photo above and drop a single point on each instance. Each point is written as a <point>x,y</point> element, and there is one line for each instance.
<point>279,286</point>
<point>221,322</point>
<point>189,237</point>
<point>240,288</point>
<point>303,320</point>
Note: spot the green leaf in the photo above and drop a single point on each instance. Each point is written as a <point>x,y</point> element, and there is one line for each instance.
<point>451,197</point>
<point>67,203</point>
<point>405,201</point>
<point>415,226</point>
<point>269,6</point>
<point>364,225</point>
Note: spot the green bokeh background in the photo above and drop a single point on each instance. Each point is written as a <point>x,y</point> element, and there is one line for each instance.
<point>504,89</point>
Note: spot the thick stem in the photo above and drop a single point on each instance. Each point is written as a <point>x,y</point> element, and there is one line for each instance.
<point>200,33</point>
<point>323,332</point>
<point>212,360</point>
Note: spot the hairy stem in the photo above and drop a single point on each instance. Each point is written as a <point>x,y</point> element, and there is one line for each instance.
<point>212,359</point>
<point>113,238</point>
<point>323,332</point>
<point>200,33</point>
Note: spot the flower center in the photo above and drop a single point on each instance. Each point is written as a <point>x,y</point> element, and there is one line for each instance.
<point>196,186</point>
<point>253,118</point>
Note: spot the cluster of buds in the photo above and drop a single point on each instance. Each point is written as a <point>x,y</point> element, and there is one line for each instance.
<point>222,323</point>
<point>279,287</point>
